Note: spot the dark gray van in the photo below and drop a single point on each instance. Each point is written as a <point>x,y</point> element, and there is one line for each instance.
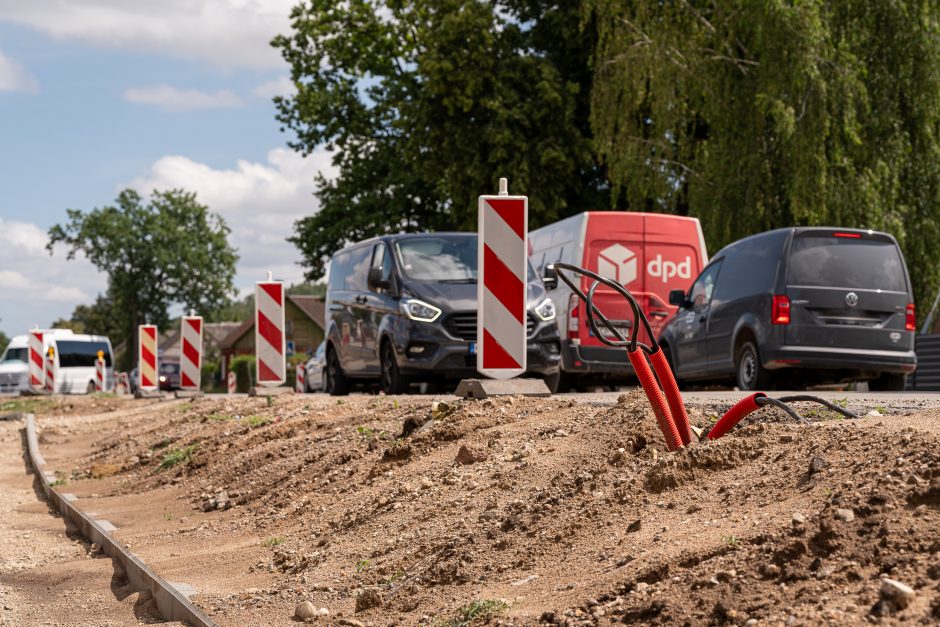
<point>798,306</point>
<point>402,309</point>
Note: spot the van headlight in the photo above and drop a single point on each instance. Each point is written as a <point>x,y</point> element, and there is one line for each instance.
<point>419,310</point>
<point>545,310</point>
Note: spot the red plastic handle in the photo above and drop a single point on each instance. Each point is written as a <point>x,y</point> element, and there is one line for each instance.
<point>673,396</point>
<point>656,399</point>
<point>734,415</point>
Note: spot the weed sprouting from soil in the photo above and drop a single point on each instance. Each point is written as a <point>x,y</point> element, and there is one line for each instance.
<point>477,610</point>
<point>270,401</point>
<point>178,456</point>
<point>220,417</point>
<point>258,421</point>
<point>732,541</point>
<point>272,541</point>
<point>27,405</point>
<point>362,565</point>
<point>60,480</point>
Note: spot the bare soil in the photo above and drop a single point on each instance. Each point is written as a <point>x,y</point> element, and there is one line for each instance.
<point>390,511</point>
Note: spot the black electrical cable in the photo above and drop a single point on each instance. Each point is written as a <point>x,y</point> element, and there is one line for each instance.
<point>766,400</point>
<point>821,401</point>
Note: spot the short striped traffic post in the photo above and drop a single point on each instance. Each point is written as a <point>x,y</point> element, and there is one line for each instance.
<point>300,385</point>
<point>232,383</point>
<point>191,353</point>
<point>37,366</point>
<point>147,357</point>
<point>501,292</point>
<point>50,371</point>
<point>270,343</point>
<point>100,383</point>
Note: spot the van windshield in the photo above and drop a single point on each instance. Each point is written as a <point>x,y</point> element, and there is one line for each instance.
<point>826,261</point>
<point>14,354</point>
<point>439,258</point>
<point>77,354</point>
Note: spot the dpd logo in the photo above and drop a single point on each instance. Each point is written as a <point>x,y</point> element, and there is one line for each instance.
<point>617,262</point>
<point>659,267</point>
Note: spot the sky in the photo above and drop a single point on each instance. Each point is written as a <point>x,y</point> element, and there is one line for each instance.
<point>101,95</point>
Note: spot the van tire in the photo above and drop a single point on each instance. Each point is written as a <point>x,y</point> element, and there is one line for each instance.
<point>552,381</point>
<point>889,382</point>
<point>90,388</point>
<point>392,381</point>
<point>751,375</point>
<point>337,384</point>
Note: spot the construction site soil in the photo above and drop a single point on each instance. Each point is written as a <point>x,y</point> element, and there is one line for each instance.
<point>408,511</point>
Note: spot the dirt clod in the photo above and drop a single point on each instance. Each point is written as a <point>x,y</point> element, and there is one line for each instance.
<point>368,598</point>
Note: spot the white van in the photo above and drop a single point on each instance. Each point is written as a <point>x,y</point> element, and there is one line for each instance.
<point>75,357</point>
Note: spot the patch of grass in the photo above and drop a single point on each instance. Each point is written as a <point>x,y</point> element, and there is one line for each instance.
<point>167,516</point>
<point>398,574</point>
<point>339,402</point>
<point>270,401</point>
<point>272,541</point>
<point>59,482</point>
<point>841,402</point>
<point>732,541</point>
<point>26,406</point>
<point>369,434</point>
<point>104,395</point>
<point>258,421</point>
<point>220,417</point>
<point>177,456</point>
<point>363,565</point>
<point>881,409</point>
<point>476,610</point>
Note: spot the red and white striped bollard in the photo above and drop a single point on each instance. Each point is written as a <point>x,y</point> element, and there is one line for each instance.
<point>301,384</point>
<point>147,357</point>
<point>191,353</point>
<point>232,383</point>
<point>37,366</point>
<point>270,342</point>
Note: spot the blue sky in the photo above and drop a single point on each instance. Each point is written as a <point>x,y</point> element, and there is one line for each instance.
<point>106,94</point>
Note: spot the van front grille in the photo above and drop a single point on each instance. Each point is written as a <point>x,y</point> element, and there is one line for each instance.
<point>464,325</point>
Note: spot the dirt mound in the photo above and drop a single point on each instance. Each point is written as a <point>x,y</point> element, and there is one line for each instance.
<point>532,511</point>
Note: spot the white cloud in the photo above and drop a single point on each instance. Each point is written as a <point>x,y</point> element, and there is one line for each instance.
<point>226,33</point>
<point>281,86</point>
<point>13,77</point>
<point>36,288</point>
<point>259,202</point>
<point>172,99</point>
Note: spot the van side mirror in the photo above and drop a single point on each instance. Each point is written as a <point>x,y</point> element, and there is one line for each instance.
<point>375,280</point>
<point>550,277</point>
<point>677,298</point>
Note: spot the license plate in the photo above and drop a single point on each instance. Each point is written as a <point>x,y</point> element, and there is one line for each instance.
<point>473,348</point>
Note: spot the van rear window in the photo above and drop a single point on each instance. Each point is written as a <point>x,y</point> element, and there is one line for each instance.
<point>826,261</point>
<point>74,354</point>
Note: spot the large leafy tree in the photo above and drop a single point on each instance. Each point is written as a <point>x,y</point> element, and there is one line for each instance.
<point>757,115</point>
<point>427,102</point>
<point>168,250</point>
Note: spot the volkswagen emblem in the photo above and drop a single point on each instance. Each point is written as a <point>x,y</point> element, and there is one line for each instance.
<point>851,299</point>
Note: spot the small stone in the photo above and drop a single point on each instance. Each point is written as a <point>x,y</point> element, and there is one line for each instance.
<point>616,456</point>
<point>750,622</point>
<point>817,464</point>
<point>798,519</point>
<point>368,598</point>
<point>642,587</point>
<point>845,515</point>
<point>305,610</point>
<point>896,592</point>
<point>470,455</point>
<point>634,526</point>
<point>351,622</point>
<point>323,612</point>
<point>771,570</point>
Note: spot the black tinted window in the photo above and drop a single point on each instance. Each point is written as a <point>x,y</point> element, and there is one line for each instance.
<point>828,261</point>
<point>439,258</point>
<point>16,354</point>
<point>704,286</point>
<point>338,271</point>
<point>750,267</point>
<point>382,259</point>
<point>357,272</point>
<point>74,354</point>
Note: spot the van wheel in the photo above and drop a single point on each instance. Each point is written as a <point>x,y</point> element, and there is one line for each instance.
<point>752,376</point>
<point>91,388</point>
<point>553,381</point>
<point>392,380</point>
<point>336,382</point>
<point>888,382</point>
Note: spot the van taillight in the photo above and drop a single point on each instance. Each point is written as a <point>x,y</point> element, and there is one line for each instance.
<point>780,312</point>
<point>910,319</point>
<point>574,304</point>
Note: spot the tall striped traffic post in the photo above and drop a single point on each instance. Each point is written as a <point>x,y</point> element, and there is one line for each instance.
<point>37,366</point>
<point>300,385</point>
<point>270,342</point>
<point>50,371</point>
<point>502,249</point>
<point>232,382</point>
<point>100,383</point>
<point>191,353</point>
<point>147,357</point>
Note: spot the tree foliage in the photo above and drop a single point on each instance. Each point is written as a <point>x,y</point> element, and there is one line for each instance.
<point>427,102</point>
<point>169,250</point>
<point>758,115</point>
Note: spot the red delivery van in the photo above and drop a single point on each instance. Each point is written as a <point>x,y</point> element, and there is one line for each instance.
<point>649,253</point>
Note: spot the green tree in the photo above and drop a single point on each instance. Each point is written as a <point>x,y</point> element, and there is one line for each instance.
<point>758,115</point>
<point>4,340</point>
<point>169,250</point>
<point>427,102</point>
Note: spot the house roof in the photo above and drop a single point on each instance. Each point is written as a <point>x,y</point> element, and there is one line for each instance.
<point>212,335</point>
<point>312,306</point>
